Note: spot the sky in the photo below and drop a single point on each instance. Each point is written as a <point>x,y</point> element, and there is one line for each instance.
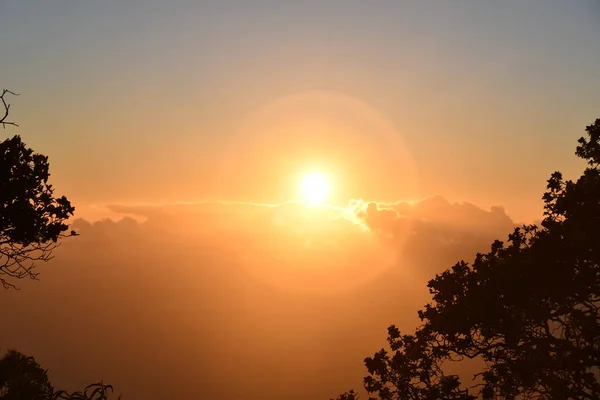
<point>182,130</point>
<point>145,101</point>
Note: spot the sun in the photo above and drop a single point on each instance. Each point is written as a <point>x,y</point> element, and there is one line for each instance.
<point>314,188</point>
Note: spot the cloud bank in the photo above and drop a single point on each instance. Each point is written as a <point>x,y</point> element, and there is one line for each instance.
<point>235,300</point>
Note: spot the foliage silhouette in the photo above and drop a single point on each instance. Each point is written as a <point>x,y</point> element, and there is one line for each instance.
<point>95,391</point>
<point>529,309</point>
<point>21,377</point>
<point>32,219</point>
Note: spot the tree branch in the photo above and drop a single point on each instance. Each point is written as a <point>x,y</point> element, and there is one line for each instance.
<point>6,105</point>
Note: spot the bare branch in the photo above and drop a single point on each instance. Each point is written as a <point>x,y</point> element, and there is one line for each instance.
<point>18,261</point>
<point>6,105</point>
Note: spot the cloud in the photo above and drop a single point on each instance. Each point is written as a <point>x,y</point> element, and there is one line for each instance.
<point>434,233</point>
<point>388,219</point>
<point>235,300</point>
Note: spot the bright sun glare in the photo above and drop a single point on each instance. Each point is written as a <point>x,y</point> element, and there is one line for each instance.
<point>314,188</point>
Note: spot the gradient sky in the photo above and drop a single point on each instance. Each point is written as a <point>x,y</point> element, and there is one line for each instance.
<point>139,101</point>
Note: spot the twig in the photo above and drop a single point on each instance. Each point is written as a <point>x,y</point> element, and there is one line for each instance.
<point>6,105</point>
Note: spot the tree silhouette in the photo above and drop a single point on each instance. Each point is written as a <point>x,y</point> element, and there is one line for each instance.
<point>32,219</point>
<point>21,377</point>
<point>529,309</point>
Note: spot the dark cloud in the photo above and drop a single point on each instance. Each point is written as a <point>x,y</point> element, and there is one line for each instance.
<point>227,300</point>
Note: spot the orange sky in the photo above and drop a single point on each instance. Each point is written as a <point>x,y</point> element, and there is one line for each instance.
<point>191,125</point>
<point>152,103</point>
